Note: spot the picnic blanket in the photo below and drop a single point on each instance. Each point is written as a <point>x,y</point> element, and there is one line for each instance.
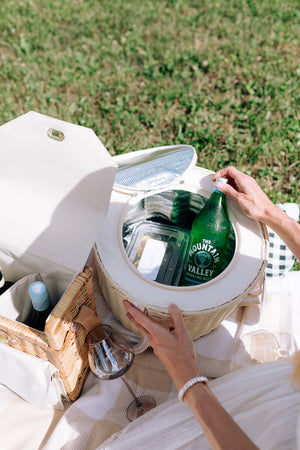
<point>260,399</point>
<point>101,410</point>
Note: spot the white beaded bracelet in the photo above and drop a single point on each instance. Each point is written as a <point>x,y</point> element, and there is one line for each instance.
<point>189,384</point>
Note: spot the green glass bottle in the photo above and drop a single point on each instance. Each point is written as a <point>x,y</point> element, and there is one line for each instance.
<point>208,241</point>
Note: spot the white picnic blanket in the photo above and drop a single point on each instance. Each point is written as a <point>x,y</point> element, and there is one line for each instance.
<point>101,409</point>
<point>260,398</point>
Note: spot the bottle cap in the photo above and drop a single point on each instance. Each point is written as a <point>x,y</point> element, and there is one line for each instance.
<point>221,180</point>
<point>39,295</point>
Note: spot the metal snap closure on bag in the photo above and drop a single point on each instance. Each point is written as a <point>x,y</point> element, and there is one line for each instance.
<point>55,134</point>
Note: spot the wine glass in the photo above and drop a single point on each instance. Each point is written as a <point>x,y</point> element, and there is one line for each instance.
<point>110,355</point>
<point>265,346</point>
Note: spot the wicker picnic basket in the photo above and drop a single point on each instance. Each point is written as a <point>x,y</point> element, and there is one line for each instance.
<point>62,343</point>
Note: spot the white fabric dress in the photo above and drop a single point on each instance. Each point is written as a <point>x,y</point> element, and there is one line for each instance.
<point>260,398</point>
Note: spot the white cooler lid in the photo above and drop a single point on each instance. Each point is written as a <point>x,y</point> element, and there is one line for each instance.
<point>55,192</point>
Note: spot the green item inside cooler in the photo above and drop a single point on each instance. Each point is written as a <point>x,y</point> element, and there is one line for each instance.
<point>156,234</point>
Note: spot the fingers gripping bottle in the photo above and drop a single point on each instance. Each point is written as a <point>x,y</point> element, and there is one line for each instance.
<point>208,241</point>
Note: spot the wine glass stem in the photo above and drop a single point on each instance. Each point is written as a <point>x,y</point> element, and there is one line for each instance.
<point>138,403</point>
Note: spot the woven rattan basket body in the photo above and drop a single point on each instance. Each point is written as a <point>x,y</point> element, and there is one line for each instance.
<point>62,343</point>
<point>204,307</point>
<point>198,322</point>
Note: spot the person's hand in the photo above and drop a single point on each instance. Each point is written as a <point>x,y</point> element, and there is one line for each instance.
<point>173,347</point>
<point>176,351</point>
<point>246,192</point>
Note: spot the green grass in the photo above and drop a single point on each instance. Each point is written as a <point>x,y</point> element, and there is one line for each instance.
<point>221,75</point>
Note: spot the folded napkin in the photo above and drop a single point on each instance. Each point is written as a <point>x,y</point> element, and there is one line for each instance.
<point>33,379</point>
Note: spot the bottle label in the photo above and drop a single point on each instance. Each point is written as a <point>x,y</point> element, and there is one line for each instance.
<point>203,262</point>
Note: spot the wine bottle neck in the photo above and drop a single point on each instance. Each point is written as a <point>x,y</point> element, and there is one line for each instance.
<point>39,296</point>
<point>2,280</point>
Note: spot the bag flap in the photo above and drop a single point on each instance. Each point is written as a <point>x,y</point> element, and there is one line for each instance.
<point>56,180</point>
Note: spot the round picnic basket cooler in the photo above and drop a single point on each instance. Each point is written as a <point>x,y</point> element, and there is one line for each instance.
<point>145,189</point>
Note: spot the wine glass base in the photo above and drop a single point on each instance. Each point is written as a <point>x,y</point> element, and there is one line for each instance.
<point>139,407</point>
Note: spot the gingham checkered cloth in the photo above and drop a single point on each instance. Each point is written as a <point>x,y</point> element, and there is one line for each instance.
<point>281,259</point>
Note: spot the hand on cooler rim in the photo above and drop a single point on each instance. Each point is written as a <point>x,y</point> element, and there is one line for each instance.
<point>255,204</point>
<point>246,192</point>
<point>176,351</point>
<point>173,347</point>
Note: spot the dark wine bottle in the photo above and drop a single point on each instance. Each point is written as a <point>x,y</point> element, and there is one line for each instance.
<point>41,306</point>
<point>208,241</point>
<point>4,285</point>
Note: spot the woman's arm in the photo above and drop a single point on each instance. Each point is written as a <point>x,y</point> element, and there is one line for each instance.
<point>255,204</point>
<point>176,351</point>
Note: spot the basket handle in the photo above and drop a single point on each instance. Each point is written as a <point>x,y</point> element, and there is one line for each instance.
<point>88,319</point>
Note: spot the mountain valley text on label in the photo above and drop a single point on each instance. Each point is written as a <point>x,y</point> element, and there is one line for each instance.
<point>206,246</point>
